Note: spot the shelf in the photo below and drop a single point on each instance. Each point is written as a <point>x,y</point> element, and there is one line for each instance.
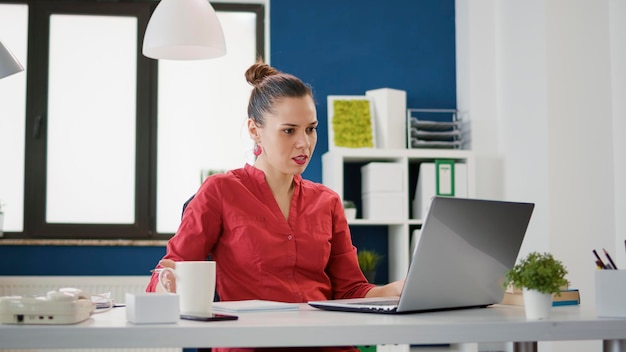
<point>375,222</point>
<point>341,171</point>
<point>365,154</point>
<point>382,222</point>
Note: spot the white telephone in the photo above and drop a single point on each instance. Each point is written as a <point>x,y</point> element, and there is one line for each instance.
<point>65,306</point>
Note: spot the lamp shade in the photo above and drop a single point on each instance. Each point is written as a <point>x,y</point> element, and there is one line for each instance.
<point>184,30</point>
<point>8,62</point>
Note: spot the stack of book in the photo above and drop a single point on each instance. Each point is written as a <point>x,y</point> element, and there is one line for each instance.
<point>567,297</point>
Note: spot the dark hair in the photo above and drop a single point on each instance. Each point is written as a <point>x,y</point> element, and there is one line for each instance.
<point>270,85</point>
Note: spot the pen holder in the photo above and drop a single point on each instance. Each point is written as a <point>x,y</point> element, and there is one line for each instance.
<point>610,289</point>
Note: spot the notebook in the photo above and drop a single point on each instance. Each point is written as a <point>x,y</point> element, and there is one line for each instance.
<point>253,305</point>
<point>460,260</point>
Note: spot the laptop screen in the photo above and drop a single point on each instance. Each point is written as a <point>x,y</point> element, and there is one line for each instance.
<point>460,260</point>
<point>464,249</point>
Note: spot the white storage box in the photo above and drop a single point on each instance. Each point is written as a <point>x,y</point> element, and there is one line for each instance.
<point>382,177</point>
<point>384,206</point>
<point>152,308</point>
<point>610,287</point>
<point>389,117</point>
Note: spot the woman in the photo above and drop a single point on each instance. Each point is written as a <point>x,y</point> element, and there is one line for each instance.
<point>274,235</point>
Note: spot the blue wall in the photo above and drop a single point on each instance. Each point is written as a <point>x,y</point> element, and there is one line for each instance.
<point>340,47</point>
<point>345,47</point>
<point>77,260</point>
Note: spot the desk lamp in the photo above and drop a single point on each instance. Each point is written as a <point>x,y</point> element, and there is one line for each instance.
<point>184,30</point>
<point>8,62</point>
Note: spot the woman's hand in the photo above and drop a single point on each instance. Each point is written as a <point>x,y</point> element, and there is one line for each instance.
<point>168,280</point>
<point>389,290</point>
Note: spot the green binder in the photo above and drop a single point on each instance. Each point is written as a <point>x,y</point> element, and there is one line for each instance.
<point>444,170</point>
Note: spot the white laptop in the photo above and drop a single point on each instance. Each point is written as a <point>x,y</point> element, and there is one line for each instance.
<point>463,252</point>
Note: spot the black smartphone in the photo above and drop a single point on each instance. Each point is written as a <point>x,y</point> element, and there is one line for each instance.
<point>212,317</point>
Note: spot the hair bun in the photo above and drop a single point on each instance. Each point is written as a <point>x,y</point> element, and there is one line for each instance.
<point>258,71</point>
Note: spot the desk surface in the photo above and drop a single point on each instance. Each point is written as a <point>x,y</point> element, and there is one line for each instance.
<point>311,327</point>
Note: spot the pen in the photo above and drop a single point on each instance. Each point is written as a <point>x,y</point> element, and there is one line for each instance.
<point>599,262</point>
<point>610,259</point>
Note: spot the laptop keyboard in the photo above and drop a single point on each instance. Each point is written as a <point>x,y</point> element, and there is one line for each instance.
<point>378,303</point>
<point>378,306</point>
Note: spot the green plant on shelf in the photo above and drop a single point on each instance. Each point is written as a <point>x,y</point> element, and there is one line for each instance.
<point>348,204</point>
<point>368,260</point>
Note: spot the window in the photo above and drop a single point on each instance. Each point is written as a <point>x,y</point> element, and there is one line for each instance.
<point>13,33</point>
<point>199,127</point>
<point>116,142</point>
<point>91,140</point>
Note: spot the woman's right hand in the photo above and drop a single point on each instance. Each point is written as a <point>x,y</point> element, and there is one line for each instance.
<point>167,279</point>
<point>391,289</point>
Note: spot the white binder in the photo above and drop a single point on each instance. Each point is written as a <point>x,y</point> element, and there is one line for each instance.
<point>427,185</point>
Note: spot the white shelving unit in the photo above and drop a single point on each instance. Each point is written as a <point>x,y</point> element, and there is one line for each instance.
<point>335,162</point>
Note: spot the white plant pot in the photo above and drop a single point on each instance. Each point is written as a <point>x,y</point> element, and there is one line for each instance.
<point>350,213</point>
<point>537,304</point>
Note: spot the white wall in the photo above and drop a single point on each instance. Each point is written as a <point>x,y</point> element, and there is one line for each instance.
<point>548,78</point>
<point>617,22</point>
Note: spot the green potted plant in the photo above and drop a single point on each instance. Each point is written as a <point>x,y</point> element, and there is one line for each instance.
<point>540,276</point>
<point>368,261</point>
<point>350,209</point>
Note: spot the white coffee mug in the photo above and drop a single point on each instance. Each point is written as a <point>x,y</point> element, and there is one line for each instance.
<point>195,285</point>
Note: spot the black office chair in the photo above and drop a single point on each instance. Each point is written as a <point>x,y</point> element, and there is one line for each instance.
<point>186,204</point>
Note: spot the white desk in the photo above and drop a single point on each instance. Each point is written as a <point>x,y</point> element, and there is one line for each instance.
<point>311,327</point>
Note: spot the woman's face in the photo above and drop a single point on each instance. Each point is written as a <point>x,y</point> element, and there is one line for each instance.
<point>288,136</point>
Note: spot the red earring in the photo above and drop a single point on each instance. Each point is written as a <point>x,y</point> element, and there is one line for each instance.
<point>257,150</point>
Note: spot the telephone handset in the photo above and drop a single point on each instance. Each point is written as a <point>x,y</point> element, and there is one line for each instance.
<point>67,294</point>
<point>65,306</point>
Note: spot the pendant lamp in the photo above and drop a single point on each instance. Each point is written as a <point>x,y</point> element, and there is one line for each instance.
<point>8,62</point>
<point>184,30</point>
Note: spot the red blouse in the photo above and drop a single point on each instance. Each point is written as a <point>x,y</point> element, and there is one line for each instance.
<point>261,255</point>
